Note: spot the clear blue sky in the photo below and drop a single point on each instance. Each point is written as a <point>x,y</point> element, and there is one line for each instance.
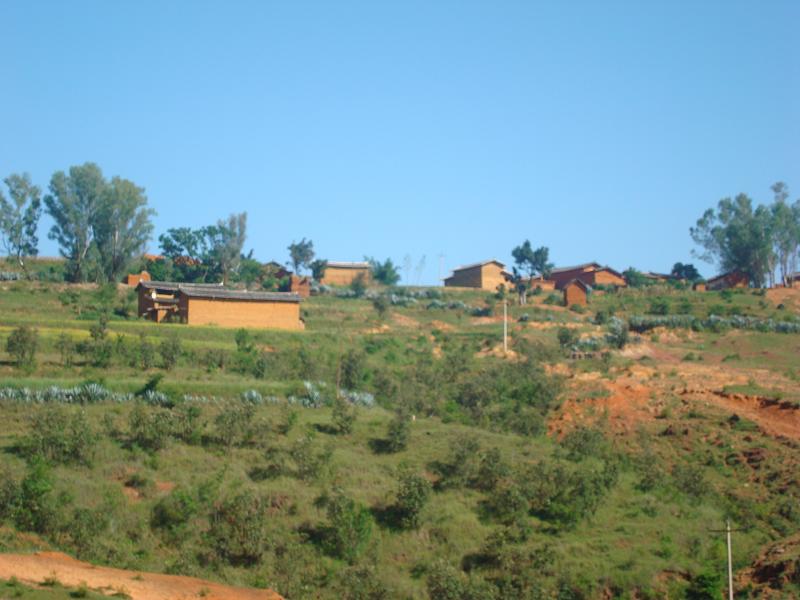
<point>455,128</point>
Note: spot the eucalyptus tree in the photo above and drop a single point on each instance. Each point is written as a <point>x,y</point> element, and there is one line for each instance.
<point>19,218</point>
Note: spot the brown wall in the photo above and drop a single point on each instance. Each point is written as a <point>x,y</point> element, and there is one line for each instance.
<point>574,294</point>
<point>486,277</point>
<point>547,285</point>
<point>606,277</point>
<point>243,313</point>
<point>300,285</point>
<point>339,276</point>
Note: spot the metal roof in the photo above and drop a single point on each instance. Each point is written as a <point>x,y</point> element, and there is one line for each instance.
<point>174,286</point>
<point>479,264</point>
<point>348,265</point>
<point>223,294</point>
<point>583,266</point>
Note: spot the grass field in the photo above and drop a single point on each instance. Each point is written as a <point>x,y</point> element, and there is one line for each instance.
<point>551,476</point>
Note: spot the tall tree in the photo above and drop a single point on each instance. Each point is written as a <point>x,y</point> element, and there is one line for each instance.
<point>301,254</point>
<point>72,203</point>
<point>785,231</point>
<point>530,263</point>
<point>19,218</point>
<point>736,237</point>
<point>122,226</point>
<point>226,240</point>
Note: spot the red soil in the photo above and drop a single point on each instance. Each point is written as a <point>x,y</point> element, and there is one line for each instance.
<point>35,568</point>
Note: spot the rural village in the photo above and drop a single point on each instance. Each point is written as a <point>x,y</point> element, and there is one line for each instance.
<point>399,300</point>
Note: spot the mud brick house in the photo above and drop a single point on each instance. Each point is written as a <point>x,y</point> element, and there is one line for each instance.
<point>546,285</point>
<point>726,281</point>
<point>487,275</point>
<point>699,286</point>
<point>343,273</point>
<point>235,308</point>
<point>211,304</point>
<point>591,274</point>
<point>576,292</point>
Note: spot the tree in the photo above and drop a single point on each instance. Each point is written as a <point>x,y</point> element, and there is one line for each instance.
<point>188,251</point>
<point>19,218</point>
<point>226,240</point>
<point>318,268</point>
<point>385,273</point>
<point>685,271</point>
<point>301,254</point>
<point>529,262</point>
<point>122,226</point>
<point>72,203</point>
<point>22,345</point>
<point>736,237</point>
<point>785,231</point>
<point>635,278</point>
<point>100,226</point>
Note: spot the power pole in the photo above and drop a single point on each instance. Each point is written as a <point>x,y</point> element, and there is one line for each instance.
<point>727,531</point>
<point>730,562</point>
<point>505,327</point>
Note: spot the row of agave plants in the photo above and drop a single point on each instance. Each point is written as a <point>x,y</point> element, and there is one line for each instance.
<point>315,395</point>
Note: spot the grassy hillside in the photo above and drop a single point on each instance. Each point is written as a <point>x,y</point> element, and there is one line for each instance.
<point>581,465</point>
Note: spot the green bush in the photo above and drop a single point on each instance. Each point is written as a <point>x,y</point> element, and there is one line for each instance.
<point>361,582</point>
<point>567,337</point>
<point>234,424</point>
<point>398,432</point>
<point>349,527</point>
<point>67,348</point>
<point>659,306</point>
<point>60,435</point>
<point>173,512</point>
<point>170,351</point>
<point>237,530</point>
<point>412,496</point>
<point>344,416</point>
<point>150,427</point>
<point>22,345</point>
<point>35,507</point>
<point>311,462</point>
<point>352,370</point>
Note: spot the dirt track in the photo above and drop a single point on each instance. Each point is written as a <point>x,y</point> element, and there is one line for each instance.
<point>35,568</point>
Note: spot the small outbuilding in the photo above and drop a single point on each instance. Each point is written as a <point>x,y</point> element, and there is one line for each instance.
<point>344,273</point>
<point>487,275</point>
<point>576,292</point>
<point>699,286</point>
<point>727,281</point>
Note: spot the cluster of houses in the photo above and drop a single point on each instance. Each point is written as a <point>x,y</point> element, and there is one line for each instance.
<point>213,304</point>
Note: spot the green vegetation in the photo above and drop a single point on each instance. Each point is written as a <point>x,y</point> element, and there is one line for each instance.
<point>393,456</point>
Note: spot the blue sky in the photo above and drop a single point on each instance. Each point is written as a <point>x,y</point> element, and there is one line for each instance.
<point>414,128</point>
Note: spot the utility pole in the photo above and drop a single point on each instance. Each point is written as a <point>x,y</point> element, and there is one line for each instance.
<point>727,531</point>
<point>730,562</point>
<point>505,327</point>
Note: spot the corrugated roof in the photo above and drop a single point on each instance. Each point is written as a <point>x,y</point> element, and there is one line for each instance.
<point>583,266</point>
<point>348,265</point>
<point>479,264</point>
<point>175,286</point>
<point>223,294</point>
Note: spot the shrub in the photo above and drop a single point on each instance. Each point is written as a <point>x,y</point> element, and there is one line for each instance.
<point>690,479</point>
<point>584,442</point>
<point>381,306</point>
<point>60,435</point>
<point>173,512</point>
<point>145,353</point>
<point>237,529</point>
<point>170,351</point>
<point>361,582</point>
<point>66,348</point>
<point>344,416</point>
<point>463,464</point>
<point>398,432</point>
<point>659,306</point>
<point>567,337</point>
<point>233,424</point>
<point>311,462</point>
<point>706,585</point>
<point>35,507</point>
<point>358,286</point>
<point>150,427</point>
<point>349,529</point>
<point>22,345</point>
<point>493,468</point>
<point>352,371</point>
<point>412,496</point>
<point>617,333</point>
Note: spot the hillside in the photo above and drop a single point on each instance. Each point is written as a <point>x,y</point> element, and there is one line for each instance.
<point>591,461</point>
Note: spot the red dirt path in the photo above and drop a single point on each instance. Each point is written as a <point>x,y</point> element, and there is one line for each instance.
<point>35,568</point>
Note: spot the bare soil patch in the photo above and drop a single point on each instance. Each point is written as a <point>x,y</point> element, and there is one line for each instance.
<point>35,568</point>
